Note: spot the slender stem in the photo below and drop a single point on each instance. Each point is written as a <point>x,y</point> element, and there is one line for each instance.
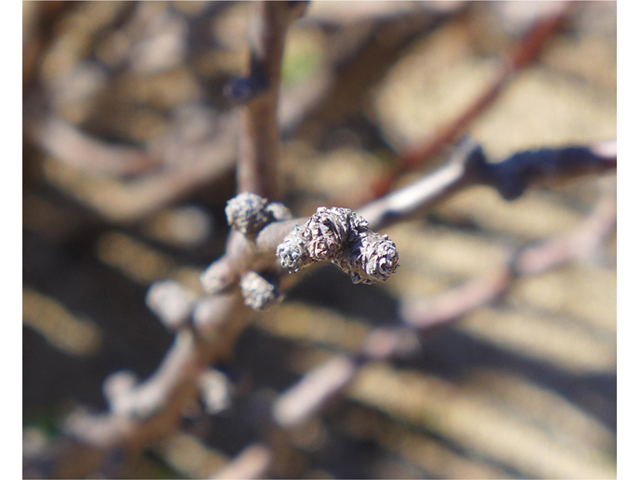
<point>259,145</point>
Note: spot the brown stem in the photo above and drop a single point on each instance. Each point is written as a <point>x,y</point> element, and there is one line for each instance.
<point>259,145</point>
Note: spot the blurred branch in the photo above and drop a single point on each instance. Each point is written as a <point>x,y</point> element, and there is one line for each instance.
<point>252,462</point>
<point>359,62</point>
<point>173,164</point>
<point>39,25</point>
<point>346,13</point>
<point>184,167</point>
<point>522,55</point>
<point>581,243</point>
<point>70,145</point>
<point>150,410</point>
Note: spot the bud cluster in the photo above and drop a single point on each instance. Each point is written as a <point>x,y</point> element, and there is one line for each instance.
<point>344,238</point>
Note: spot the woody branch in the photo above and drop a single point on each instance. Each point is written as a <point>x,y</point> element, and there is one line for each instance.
<point>305,398</point>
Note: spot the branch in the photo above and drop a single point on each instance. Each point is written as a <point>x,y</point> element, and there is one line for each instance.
<point>511,177</point>
<point>143,413</point>
<point>70,145</point>
<point>307,396</point>
<point>146,412</point>
<point>537,259</point>
<point>468,166</point>
<point>260,139</point>
<point>335,234</point>
<point>252,462</point>
<point>185,166</point>
<point>39,28</point>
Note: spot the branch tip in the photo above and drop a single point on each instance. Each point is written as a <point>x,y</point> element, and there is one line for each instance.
<point>343,237</point>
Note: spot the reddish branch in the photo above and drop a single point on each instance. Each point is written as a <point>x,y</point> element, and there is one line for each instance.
<point>521,56</point>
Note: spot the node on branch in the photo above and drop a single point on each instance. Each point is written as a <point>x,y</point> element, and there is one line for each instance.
<point>249,213</point>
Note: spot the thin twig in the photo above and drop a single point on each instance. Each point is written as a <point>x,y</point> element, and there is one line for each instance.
<point>260,139</point>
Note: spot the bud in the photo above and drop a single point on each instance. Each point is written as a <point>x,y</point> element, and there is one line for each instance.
<point>259,293</point>
<point>340,235</point>
<point>171,302</point>
<point>293,251</point>
<point>373,258</point>
<point>247,213</point>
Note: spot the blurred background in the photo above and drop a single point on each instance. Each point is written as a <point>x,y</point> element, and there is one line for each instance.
<point>129,151</point>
